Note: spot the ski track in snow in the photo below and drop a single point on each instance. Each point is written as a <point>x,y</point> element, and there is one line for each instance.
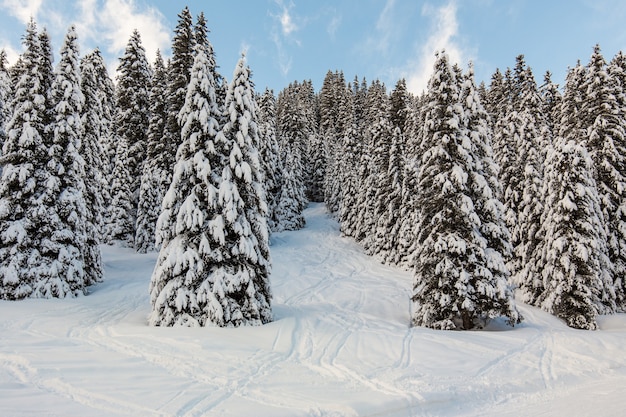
<point>340,345</point>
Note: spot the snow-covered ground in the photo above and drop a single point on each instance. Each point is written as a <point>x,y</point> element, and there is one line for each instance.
<point>340,345</point>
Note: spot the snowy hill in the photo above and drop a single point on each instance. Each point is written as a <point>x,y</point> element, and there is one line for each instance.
<point>340,345</point>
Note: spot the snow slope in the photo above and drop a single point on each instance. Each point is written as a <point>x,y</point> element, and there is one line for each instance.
<point>340,345</point>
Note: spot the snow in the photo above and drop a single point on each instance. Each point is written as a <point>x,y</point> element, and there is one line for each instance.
<point>340,345</point>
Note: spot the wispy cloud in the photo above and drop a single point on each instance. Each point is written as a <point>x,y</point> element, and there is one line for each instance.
<point>333,24</point>
<point>112,22</point>
<point>444,36</point>
<point>283,34</point>
<point>22,9</point>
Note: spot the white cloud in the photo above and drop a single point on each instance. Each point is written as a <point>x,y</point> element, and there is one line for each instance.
<point>112,22</point>
<point>23,10</point>
<point>283,34</point>
<point>286,22</point>
<point>12,53</point>
<point>333,24</point>
<point>444,34</point>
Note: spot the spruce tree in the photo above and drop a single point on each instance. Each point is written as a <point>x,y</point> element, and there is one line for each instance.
<point>533,139</point>
<point>96,165</point>
<point>190,228</point>
<point>574,237</point>
<point>5,99</point>
<point>133,112</point>
<point>154,172</point>
<point>605,139</point>
<point>24,156</point>
<point>61,216</point>
<point>214,214</point>
<point>179,70</point>
<point>460,278</point>
<point>269,155</point>
<point>288,212</point>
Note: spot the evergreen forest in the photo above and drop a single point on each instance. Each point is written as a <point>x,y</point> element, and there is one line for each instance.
<point>489,192</point>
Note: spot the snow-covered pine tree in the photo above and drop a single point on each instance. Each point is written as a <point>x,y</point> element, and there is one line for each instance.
<point>106,99</point>
<point>460,281</point>
<point>24,157</point>
<point>213,268</point>
<point>292,136</point>
<point>190,228</point>
<point>605,140</point>
<point>551,99</point>
<point>574,237</point>
<point>178,73</point>
<point>47,70</point>
<point>335,120</point>
<point>154,175</point>
<point>406,240</point>
<point>245,278</point>
<point>58,269</point>
<point>133,112</point>
<point>269,155</point>
<point>373,170</point>
<point>6,92</point>
<point>119,223</point>
<point>288,212</point>
<point>533,140</point>
<point>351,150</point>
<point>96,166</point>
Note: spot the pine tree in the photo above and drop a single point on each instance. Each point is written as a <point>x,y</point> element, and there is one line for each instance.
<point>24,156</point>
<point>336,115</point>
<point>406,241</point>
<point>154,172</point>
<point>119,221</point>
<point>190,228</point>
<point>288,212</point>
<point>533,139</point>
<point>213,267</point>
<point>96,165</point>
<point>106,99</point>
<point>574,237</point>
<point>179,70</point>
<point>61,216</point>
<point>460,279</point>
<point>269,155</point>
<point>5,98</point>
<point>605,139</point>
<point>133,112</point>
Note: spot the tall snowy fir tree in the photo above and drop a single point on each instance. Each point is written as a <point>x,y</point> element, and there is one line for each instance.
<point>605,139</point>
<point>106,99</point>
<point>190,227</point>
<point>532,134</point>
<point>5,98</point>
<point>214,214</point>
<point>574,237</point>
<point>96,166</point>
<point>133,116</point>
<point>61,216</point>
<point>178,74</point>
<point>460,280</point>
<point>288,210</point>
<point>24,157</point>
<point>292,130</point>
<point>269,154</point>
<point>155,170</point>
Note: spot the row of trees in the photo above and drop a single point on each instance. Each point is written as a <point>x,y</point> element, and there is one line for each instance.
<point>479,190</point>
<point>166,158</point>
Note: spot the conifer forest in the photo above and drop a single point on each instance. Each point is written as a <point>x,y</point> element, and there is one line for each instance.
<point>488,193</point>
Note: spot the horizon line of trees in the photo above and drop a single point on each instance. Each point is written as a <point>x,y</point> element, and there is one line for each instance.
<point>482,191</point>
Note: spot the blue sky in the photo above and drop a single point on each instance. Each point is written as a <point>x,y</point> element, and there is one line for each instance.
<point>290,40</point>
